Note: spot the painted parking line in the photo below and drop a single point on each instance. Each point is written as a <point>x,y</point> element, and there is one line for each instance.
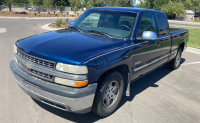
<point>191,63</point>
<point>2,30</point>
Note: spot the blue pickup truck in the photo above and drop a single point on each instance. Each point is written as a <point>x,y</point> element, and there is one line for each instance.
<point>90,65</point>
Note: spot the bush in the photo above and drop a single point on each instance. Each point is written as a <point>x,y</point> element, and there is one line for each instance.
<point>67,20</point>
<point>39,15</point>
<point>56,14</point>
<point>59,22</point>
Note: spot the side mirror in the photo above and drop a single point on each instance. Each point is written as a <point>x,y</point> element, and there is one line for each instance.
<point>70,23</point>
<point>148,35</point>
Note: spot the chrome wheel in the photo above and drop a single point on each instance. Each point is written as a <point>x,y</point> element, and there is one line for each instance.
<point>178,58</point>
<point>111,93</point>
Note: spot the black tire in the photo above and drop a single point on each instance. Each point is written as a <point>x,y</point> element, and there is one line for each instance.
<point>99,106</point>
<point>175,63</point>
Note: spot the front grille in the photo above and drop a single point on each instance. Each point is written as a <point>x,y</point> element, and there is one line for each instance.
<point>36,73</point>
<point>36,60</point>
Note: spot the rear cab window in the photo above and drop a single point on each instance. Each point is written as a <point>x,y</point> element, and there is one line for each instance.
<point>162,24</point>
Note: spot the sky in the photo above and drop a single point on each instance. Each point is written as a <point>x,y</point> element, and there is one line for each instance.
<point>137,1</point>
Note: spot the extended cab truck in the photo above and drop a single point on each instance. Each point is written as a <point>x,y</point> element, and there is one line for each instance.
<point>90,65</point>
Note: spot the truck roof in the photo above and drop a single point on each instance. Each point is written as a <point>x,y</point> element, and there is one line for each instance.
<point>129,9</point>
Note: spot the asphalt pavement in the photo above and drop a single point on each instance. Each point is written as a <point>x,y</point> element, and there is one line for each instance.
<point>163,96</point>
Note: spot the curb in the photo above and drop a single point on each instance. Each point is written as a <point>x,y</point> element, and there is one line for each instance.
<point>191,48</point>
<point>71,18</point>
<point>184,22</point>
<point>46,27</point>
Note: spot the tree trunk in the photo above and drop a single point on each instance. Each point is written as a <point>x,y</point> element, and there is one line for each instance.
<point>9,6</point>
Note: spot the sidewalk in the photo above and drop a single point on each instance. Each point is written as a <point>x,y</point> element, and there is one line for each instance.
<point>185,22</point>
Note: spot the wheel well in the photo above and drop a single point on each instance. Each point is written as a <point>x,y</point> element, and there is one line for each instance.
<point>123,69</point>
<point>182,46</point>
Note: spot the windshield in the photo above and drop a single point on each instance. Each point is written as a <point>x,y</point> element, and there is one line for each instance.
<point>114,23</point>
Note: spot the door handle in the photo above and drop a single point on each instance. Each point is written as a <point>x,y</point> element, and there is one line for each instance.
<point>158,44</point>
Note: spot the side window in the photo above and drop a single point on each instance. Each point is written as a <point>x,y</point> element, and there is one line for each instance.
<point>147,24</point>
<point>163,25</point>
<point>90,21</point>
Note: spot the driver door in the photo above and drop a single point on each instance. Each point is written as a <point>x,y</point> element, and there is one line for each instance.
<point>146,52</point>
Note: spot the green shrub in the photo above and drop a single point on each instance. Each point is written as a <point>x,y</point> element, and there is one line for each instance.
<point>39,15</point>
<point>56,14</point>
<point>59,22</point>
<point>67,20</point>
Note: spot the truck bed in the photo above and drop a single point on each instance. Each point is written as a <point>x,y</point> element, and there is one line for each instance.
<point>175,30</point>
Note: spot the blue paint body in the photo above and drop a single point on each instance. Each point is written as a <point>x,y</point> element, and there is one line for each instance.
<point>101,53</point>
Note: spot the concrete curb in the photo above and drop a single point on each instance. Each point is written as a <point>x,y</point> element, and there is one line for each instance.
<point>46,27</point>
<point>183,22</point>
<point>71,18</point>
<point>191,48</point>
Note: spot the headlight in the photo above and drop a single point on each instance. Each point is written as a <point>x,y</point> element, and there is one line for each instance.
<point>15,48</point>
<point>75,69</point>
<point>70,82</point>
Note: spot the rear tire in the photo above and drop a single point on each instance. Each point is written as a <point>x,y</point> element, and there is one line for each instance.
<point>108,94</point>
<point>175,63</point>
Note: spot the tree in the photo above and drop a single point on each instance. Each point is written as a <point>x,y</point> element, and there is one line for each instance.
<point>61,2</point>
<point>75,4</point>
<point>21,1</point>
<point>37,2</point>
<point>100,3</point>
<point>48,4</point>
<point>169,8</point>
<point>174,8</point>
<point>159,4</point>
<point>8,3</point>
<point>90,4</point>
<point>179,8</point>
<point>191,4</point>
<point>144,4</point>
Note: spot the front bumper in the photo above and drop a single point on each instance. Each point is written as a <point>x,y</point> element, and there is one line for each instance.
<point>78,100</point>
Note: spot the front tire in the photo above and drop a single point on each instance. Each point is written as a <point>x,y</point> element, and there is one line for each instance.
<point>175,63</point>
<point>108,94</point>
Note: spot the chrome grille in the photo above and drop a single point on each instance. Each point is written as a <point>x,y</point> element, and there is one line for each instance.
<point>37,73</point>
<point>36,60</point>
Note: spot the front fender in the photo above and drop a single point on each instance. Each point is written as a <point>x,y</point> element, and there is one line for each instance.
<point>99,65</point>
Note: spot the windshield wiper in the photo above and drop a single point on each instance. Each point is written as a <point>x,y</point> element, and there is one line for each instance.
<point>100,32</point>
<point>76,28</point>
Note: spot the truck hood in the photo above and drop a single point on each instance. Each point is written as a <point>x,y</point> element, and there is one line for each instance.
<point>67,46</point>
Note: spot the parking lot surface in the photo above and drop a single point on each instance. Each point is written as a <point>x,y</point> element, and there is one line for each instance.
<point>162,96</point>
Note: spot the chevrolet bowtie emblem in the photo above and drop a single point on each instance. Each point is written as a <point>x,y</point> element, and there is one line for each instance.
<point>28,65</point>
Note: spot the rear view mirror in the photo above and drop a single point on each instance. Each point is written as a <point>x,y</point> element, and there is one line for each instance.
<point>70,23</point>
<point>149,35</point>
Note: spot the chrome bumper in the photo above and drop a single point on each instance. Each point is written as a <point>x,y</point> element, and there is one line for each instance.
<point>74,103</point>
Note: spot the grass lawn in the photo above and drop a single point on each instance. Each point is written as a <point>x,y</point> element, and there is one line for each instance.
<point>194,36</point>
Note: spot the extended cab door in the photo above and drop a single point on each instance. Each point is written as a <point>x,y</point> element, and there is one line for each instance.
<point>146,52</point>
<point>164,37</point>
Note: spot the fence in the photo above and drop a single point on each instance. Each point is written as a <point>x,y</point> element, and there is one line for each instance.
<point>18,7</point>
